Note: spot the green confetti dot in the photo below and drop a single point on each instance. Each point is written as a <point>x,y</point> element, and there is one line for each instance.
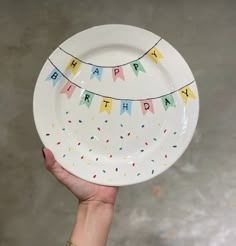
<point>120,148</point>
<point>152,171</point>
<point>90,150</point>
<point>138,174</point>
<point>175,133</point>
<point>121,125</point>
<point>153,160</point>
<point>64,155</point>
<point>47,134</point>
<point>154,139</point>
<point>63,129</point>
<point>104,171</point>
<point>67,112</point>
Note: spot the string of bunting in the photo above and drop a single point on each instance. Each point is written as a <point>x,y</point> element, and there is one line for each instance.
<point>117,71</point>
<point>125,104</point>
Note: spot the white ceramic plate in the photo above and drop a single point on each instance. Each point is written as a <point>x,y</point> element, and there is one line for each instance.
<point>112,111</point>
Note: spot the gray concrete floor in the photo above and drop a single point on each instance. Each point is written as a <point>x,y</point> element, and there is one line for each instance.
<point>191,204</point>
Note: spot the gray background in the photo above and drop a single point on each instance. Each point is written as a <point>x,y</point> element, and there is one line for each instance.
<point>192,203</point>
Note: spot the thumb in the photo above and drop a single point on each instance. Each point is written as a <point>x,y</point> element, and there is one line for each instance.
<point>51,164</point>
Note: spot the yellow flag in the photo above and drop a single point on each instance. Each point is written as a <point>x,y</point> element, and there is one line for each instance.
<point>185,93</point>
<point>155,54</point>
<point>106,105</point>
<point>73,65</point>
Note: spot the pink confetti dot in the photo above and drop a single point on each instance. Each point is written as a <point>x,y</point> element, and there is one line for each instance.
<point>129,134</point>
<point>82,157</point>
<point>99,129</point>
<point>79,144</point>
<point>107,141</point>
<point>110,156</point>
<point>165,156</point>
<point>69,121</point>
<point>94,176</point>
<point>133,164</point>
<point>165,130</point>
<point>58,143</point>
<point>146,143</point>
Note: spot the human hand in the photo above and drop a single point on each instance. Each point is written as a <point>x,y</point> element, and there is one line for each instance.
<point>85,191</point>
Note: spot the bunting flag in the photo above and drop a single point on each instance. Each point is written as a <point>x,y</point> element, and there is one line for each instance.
<point>147,105</point>
<point>86,98</point>
<point>106,105</point>
<point>96,72</point>
<point>73,65</point>
<point>125,106</point>
<point>168,101</point>
<point>185,93</point>
<point>68,89</point>
<point>155,54</point>
<point>55,76</point>
<point>137,66</point>
<point>117,72</point>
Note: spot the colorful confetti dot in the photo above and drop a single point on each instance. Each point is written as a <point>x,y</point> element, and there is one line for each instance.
<point>52,125</point>
<point>110,156</point>
<point>47,134</point>
<point>106,121</point>
<point>152,171</point>
<point>116,169</point>
<point>107,141</point>
<point>63,129</point>
<point>82,157</point>
<point>67,112</point>
<point>96,159</point>
<point>64,156</point>
<point>152,160</point>
<point>120,148</point>
<point>165,130</point>
<point>142,126</point>
<point>174,146</point>
<point>133,164</point>
<point>69,149</point>
<point>104,171</point>
<point>146,143</point>
<point>121,125</point>
<point>142,150</point>
<point>58,143</point>
<point>138,174</point>
<point>154,139</point>
<point>125,174</point>
<point>92,137</point>
<point>80,121</point>
<point>99,129</point>
<point>121,137</point>
<point>90,150</point>
<point>174,133</point>
<point>78,144</point>
<point>94,176</point>
<point>69,121</point>
<point>128,133</point>
<point>165,156</point>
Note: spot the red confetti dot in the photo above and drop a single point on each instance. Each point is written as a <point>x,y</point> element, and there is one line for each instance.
<point>129,134</point>
<point>99,129</point>
<point>79,144</point>
<point>133,164</point>
<point>165,156</point>
<point>146,143</point>
<point>94,176</point>
<point>107,141</point>
<point>58,143</point>
<point>69,121</point>
<point>110,156</point>
<point>165,130</point>
<point>82,157</point>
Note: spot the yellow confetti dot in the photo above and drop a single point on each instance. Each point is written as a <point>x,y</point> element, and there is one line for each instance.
<point>69,149</point>
<point>52,125</point>
<point>161,147</point>
<point>125,174</point>
<point>158,124</point>
<point>125,157</point>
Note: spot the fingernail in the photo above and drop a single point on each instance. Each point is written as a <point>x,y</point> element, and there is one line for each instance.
<point>43,153</point>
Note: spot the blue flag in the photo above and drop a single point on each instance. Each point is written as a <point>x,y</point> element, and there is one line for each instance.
<point>96,72</point>
<point>125,106</point>
<point>55,76</point>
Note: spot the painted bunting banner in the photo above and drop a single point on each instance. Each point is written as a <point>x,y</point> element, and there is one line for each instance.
<point>73,65</point>
<point>168,101</point>
<point>55,75</point>
<point>68,89</point>
<point>186,93</point>
<point>106,105</point>
<point>86,98</point>
<point>125,106</point>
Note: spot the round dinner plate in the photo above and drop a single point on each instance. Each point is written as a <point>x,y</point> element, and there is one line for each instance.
<point>116,104</point>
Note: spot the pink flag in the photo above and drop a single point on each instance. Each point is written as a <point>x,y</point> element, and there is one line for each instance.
<point>117,72</point>
<point>147,105</point>
<point>68,89</point>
